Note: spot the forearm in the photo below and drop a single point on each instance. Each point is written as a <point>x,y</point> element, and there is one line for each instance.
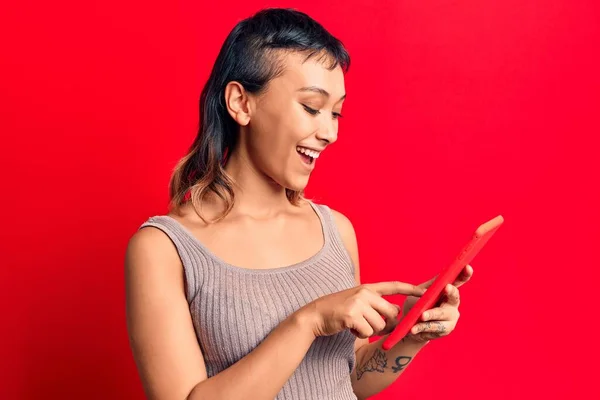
<point>376,368</point>
<point>262,373</point>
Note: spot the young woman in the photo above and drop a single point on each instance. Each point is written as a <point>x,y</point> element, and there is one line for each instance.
<point>247,290</point>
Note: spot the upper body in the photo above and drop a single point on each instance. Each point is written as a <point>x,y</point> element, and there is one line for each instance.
<point>230,300</point>
<point>268,111</point>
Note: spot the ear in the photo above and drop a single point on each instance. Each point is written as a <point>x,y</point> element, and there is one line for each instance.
<point>238,103</point>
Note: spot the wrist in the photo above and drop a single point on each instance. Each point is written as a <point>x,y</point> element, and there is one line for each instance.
<point>408,342</point>
<point>414,340</point>
<point>305,320</point>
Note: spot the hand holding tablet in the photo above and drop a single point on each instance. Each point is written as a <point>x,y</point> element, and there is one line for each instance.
<point>447,276</point>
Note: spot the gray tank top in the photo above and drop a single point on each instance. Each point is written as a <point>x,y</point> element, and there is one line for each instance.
<point>233,309</point>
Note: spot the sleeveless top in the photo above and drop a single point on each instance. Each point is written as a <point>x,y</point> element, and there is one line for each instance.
<point>233,309</point>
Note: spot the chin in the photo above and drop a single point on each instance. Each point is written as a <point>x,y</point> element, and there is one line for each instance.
<point>296,183</point>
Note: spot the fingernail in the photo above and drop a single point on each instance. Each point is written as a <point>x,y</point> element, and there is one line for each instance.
<point>425,315</point>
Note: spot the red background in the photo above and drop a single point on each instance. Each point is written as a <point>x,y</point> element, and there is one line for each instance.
<point>456,112</point>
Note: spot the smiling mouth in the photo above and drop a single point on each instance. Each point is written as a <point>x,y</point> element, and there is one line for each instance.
<point>306,159</point>
<point>308,156</point>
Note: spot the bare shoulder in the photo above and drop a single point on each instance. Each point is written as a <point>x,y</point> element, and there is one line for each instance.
<point>151,248</point>
<point>159,323</point>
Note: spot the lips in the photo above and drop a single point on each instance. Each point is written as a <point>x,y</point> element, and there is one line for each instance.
<point>308,151</point>
<point>308,156</point>
<point>307,159</point>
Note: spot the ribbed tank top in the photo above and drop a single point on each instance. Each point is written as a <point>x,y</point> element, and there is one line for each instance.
<point>233,309</point>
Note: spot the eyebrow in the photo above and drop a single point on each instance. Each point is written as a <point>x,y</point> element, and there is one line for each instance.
<point>319,90</point>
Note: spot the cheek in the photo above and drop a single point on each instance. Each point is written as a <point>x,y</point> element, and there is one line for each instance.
<point>271,150</point>
<point>279,138</point>
<point>274,137</point>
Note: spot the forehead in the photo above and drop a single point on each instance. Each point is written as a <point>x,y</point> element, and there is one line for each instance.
<point>298,72</point>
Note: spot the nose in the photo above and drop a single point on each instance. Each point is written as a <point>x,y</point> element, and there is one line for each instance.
<point>328,131</point>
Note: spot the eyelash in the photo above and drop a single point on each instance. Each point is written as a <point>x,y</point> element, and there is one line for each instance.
<point>312,111</point>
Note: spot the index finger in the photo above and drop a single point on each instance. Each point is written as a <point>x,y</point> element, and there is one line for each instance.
<point>395,287</point>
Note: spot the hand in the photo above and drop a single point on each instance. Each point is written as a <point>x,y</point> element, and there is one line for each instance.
<point>359,309</point>
<point>441,320</point>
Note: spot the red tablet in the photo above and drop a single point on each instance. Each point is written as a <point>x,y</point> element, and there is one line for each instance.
<point>446,276</point>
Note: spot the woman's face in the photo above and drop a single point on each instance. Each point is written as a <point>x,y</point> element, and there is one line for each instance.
<point>298,111</point>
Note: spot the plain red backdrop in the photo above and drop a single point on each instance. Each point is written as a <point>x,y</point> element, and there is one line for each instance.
<point>456,112</point>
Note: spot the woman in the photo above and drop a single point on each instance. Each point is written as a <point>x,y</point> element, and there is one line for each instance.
<point>246,290</point>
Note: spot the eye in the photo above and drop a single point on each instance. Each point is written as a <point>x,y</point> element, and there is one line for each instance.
<point>311,111</point>
<point>337,115</point>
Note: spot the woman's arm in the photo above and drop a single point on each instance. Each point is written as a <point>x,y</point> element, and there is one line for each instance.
<point>164,343</point>
<point>375,368</point>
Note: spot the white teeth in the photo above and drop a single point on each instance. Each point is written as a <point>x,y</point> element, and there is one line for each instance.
<point>308,152</point>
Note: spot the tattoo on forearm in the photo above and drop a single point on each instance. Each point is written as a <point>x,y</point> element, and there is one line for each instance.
<point>401,362</point>
<point>378,363</point>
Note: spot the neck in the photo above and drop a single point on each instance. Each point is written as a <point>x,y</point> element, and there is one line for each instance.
<point>255,193</point>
